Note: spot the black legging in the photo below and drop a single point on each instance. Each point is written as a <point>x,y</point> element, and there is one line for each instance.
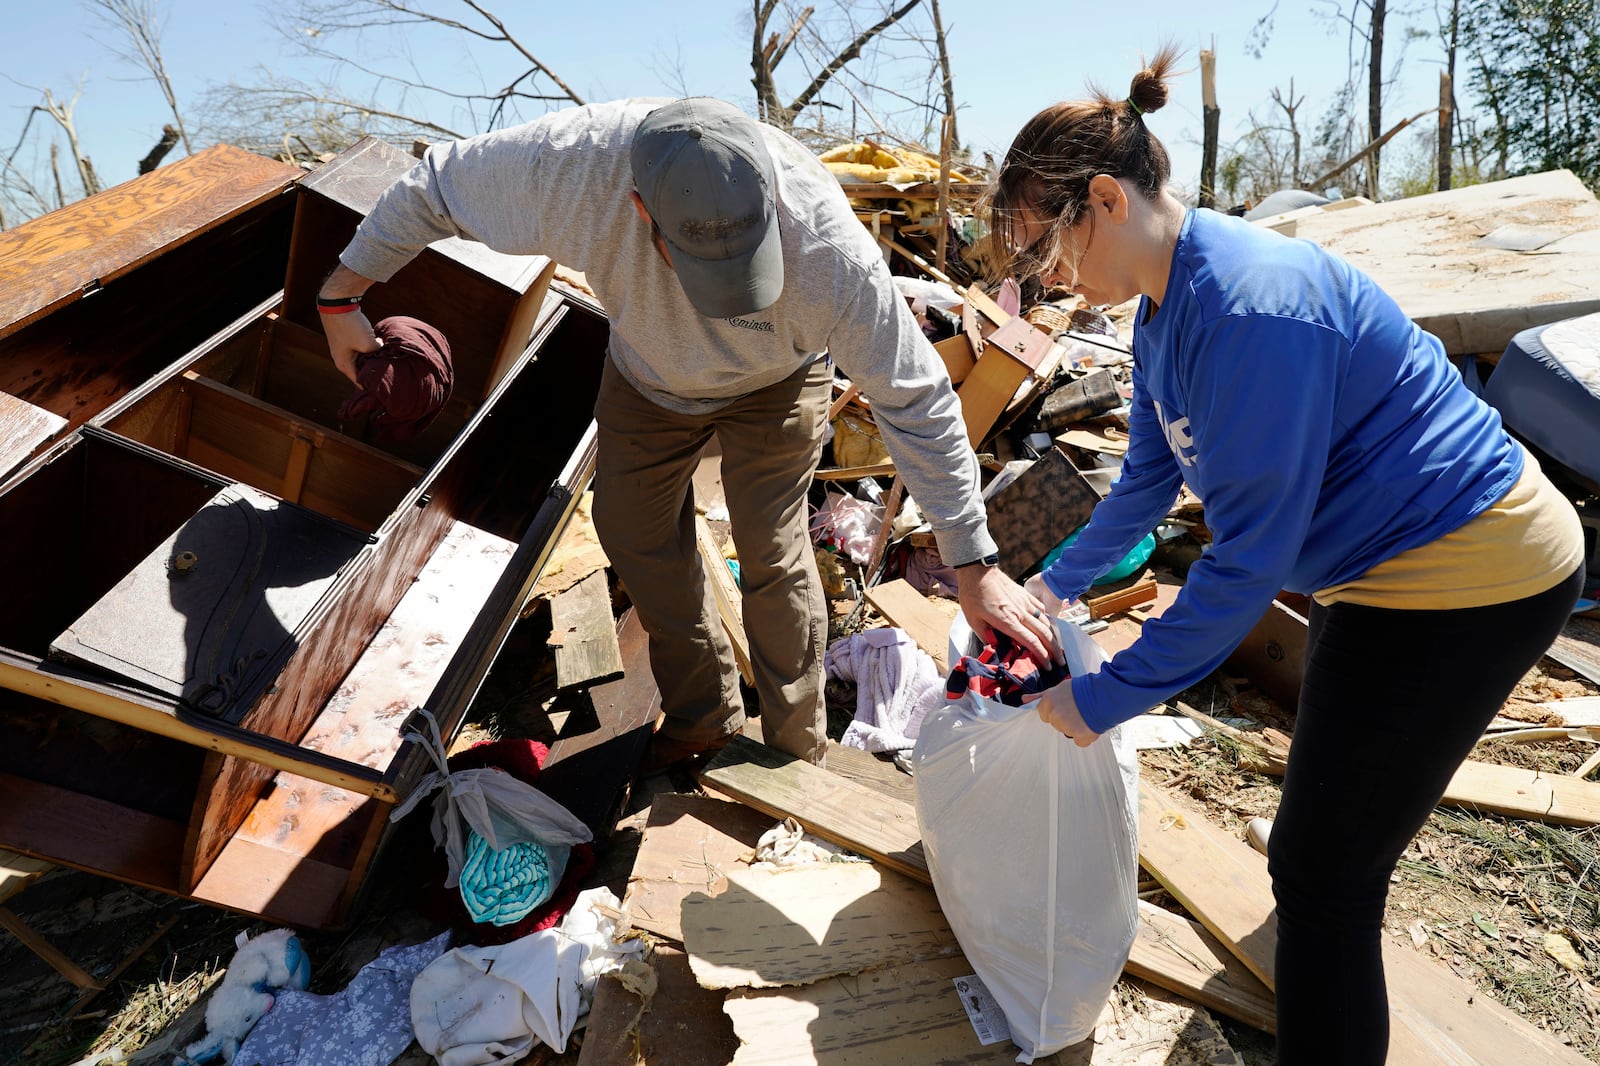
<point>1392,702</point>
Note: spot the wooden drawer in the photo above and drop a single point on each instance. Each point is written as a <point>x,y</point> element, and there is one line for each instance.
<point>261,764</point>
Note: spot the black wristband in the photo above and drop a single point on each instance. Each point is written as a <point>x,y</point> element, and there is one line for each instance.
<point>338,301</point>
<point>992,559</point>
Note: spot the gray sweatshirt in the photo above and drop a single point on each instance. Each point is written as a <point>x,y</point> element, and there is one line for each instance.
<point>559,187</point>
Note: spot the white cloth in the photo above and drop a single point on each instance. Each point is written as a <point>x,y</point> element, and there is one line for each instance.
<point>478,1005</point>
<point>897,684</point>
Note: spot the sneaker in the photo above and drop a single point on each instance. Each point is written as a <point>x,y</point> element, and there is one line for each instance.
<point>666,752</point>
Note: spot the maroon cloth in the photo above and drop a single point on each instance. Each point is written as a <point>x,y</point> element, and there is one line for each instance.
<point>522,759</point>
<point>402,385</point>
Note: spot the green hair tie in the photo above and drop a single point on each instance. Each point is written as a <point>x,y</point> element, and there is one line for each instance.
<point>1137,110</point>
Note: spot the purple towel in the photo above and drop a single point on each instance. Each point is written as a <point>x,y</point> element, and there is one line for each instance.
<point>404,384</point>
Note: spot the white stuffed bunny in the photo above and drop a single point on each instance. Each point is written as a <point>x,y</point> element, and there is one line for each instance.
<point>262,967</point>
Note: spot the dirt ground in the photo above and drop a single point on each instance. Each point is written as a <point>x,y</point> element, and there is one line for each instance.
<point>1495,898</point>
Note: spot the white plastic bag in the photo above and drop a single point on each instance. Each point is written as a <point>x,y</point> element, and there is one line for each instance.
<point>498,807</point>
<point>1033,846</point>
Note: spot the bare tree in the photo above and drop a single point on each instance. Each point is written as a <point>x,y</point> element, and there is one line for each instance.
<point>140,27</point>
<point>769,47</point>
<point>333,30</point>
<point>1289,108</point>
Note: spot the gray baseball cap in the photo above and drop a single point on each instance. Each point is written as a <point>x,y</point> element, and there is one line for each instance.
<point>702,168</point>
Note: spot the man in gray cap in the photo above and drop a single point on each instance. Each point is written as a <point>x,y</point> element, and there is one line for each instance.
<point>738,271</point>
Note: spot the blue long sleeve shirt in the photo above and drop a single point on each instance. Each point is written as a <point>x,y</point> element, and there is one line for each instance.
<point>1323,431</point>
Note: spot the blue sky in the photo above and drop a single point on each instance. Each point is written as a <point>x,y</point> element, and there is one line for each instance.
<point>1010,57</point>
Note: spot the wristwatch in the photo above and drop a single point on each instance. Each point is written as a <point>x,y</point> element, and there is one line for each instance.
<point>992,559</point>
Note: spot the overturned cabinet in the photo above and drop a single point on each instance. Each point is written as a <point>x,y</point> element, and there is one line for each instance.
<point>223,602</point>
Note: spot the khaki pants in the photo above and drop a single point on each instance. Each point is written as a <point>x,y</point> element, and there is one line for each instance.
<point>644,513</point>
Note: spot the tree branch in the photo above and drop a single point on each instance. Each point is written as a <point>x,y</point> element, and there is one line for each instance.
<point>850,51</point>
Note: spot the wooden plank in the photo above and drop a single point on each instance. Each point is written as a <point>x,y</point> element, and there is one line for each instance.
<point>1215,877</point>
<point>1577,647</point>
<point>46,950</point>
<point>1435,1016</point>
<point>18,872</point>
<point>1039,510</point>
<point>592,762</point>
<point>772,927</point>
<point>925,619</point>
<point>892,1014</point>
<point>1169,944</point>
<point>55,258</point>
<point>855,473</point>
<point>583,634</point>
<point>885,830</point>
<point>1110,603</point>
<point>834,809</point>
<point>725,591</point>
<point>24,428</point>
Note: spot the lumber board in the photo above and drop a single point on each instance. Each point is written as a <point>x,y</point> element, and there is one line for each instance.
<point>593,760</point>
<point>837,810</point>
<point>925,620</point>
<point>725,591</point>
<point>583,634</point>
<point>1168,942</point>
<point>18,872</point>
<point>885,830</point>
<point>1577,647</point>
<point>23,428</point>
<point>1110,603</point>
<point>893,1014</point>
<point>1215,877</point>
<point>771,927</point>
<point>1435,1016</point>
<point>47,951</point>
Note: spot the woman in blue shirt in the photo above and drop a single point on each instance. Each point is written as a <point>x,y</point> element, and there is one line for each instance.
<point>1337,454</point>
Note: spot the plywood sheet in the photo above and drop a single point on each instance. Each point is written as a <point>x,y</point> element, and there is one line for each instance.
<point>772,927</point>
<point>689,842</point>
<point>1424,252</point>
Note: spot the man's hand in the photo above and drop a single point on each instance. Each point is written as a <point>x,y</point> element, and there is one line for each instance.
<point>993,602</point>
<point>349,333</point>
<point>1058,709</point>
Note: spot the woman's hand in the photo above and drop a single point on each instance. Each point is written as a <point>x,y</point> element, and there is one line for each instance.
<point>1036,588</point>
<point>1059,710</point>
